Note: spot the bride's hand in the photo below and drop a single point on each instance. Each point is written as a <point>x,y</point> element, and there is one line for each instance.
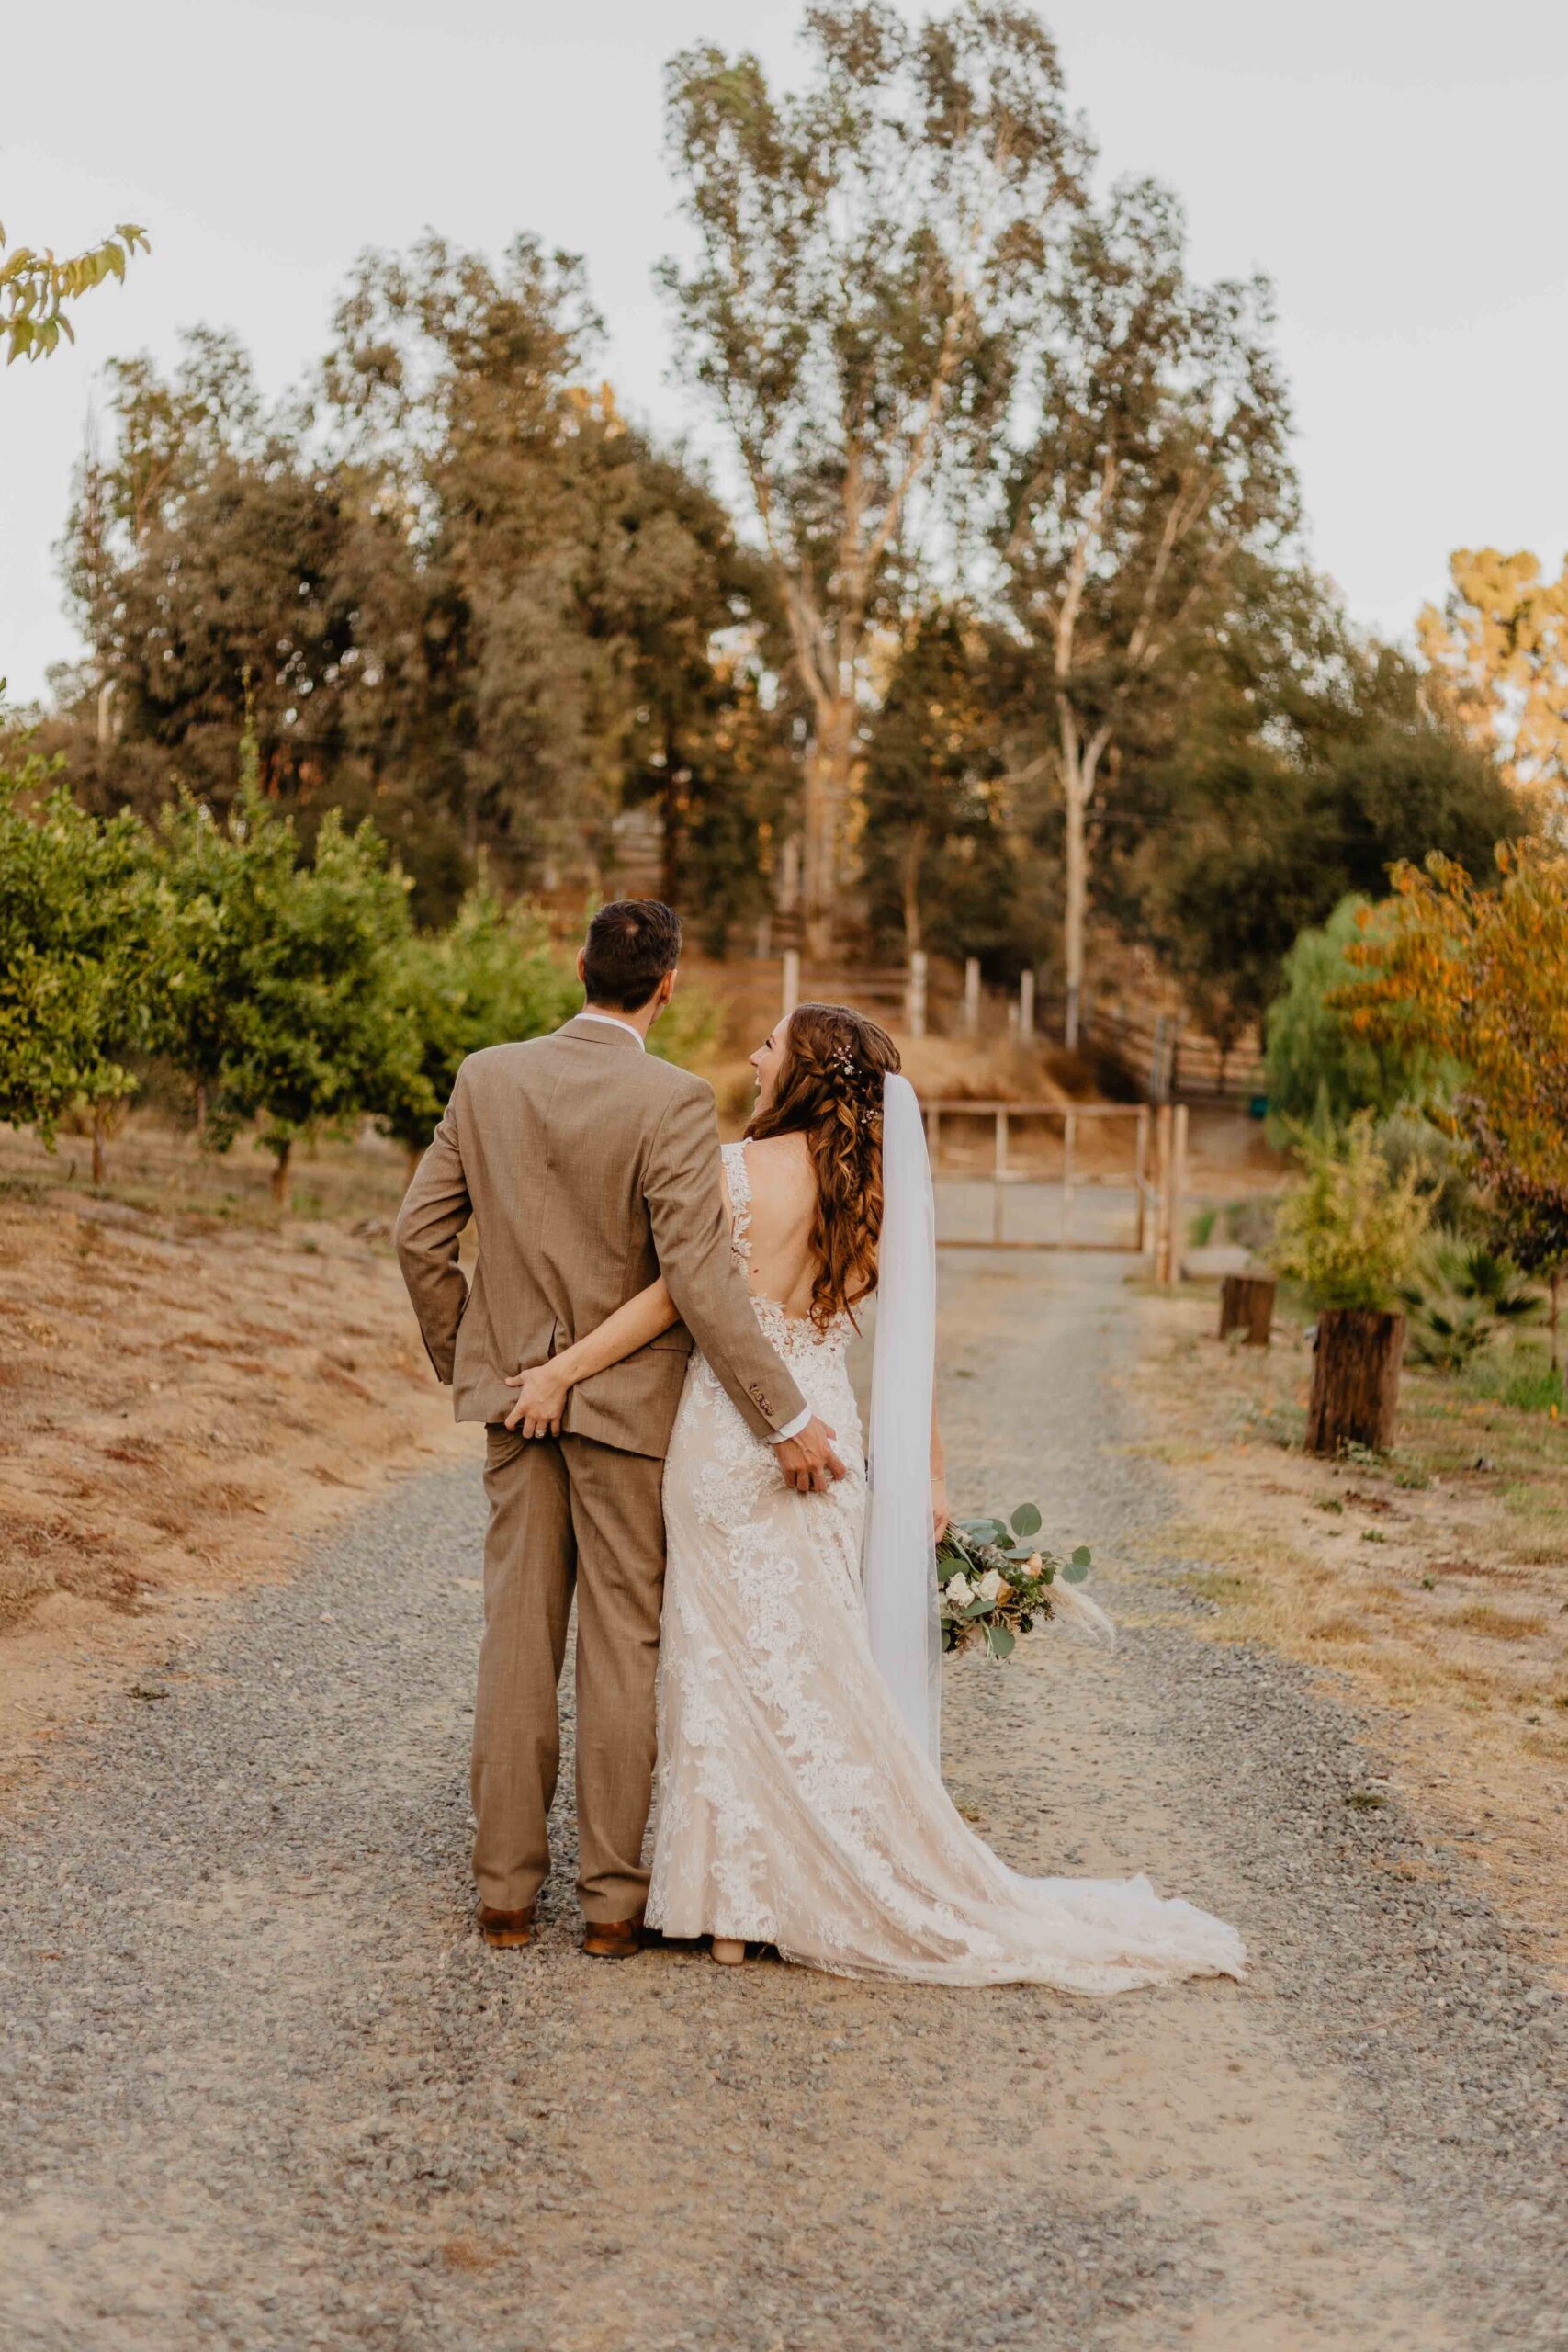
<point>541,1401</point>
<point>939,1506</point>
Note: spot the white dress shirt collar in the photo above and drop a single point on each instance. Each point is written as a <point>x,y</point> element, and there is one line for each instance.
<point>611,1022</point>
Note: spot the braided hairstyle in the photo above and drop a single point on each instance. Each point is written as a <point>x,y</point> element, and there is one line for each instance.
<point>829,1090</point>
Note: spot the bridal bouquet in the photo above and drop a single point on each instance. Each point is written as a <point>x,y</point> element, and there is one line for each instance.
<point>996,1580</point>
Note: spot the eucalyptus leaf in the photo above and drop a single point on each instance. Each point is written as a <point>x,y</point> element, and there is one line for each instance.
<point>1000,1641</point>
<point>1026,1519</point>
<point>1073,1573</point>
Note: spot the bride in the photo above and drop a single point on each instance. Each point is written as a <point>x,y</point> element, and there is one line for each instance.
<point>800,1801</point>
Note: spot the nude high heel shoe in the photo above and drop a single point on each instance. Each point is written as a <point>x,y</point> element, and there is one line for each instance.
<point>728,1951</point>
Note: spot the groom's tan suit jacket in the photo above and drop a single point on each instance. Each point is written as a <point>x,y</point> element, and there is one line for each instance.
<point>590,1167</point>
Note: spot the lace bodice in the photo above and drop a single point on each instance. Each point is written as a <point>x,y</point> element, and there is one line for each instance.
<point>797,1338</point>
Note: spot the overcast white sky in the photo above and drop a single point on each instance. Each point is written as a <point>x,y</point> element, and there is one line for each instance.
<point>1394,166</point>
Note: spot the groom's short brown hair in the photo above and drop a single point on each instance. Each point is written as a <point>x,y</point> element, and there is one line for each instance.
<point>631,944</point>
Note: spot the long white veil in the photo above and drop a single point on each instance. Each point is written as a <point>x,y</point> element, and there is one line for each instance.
<point>899,1569</point>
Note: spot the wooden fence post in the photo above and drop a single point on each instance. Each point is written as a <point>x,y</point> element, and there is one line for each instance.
<point>1177,1190</point>
<point>916,993</point>
<point>1157,1061</point>
<point>1141,1178</point>
<point>972,996</point>
<point>790,981</point>
<point>1069,1135</point>
<point>1000,1184</point>
<point>1026,1005</point>
<point>1162,1194</point>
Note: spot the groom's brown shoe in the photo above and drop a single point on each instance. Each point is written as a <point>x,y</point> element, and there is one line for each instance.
<point>613,1939</point>
<point>508,1931</point>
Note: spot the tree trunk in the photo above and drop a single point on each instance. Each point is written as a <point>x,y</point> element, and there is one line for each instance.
<point>1246,1304</point>
<point>674,822</point>
<point>913,858</point>
<point>98,1147</point>
<point>829,768</point>
<point>1354,1380</point>
<point>1076,909</point>
<point>1554,1284</point>
<point>280,1173</point>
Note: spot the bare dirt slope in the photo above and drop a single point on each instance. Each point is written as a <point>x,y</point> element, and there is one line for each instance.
<point>269,2090</point>
<point>189,1384</point>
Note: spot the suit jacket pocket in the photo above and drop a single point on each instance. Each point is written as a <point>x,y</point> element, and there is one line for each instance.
<point>471,1350</point>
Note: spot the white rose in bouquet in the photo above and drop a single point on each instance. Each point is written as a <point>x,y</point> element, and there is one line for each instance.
<point>991,1585</point>
<point>959,1591</point>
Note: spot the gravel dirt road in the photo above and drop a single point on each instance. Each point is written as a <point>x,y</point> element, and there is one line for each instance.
<point>264,2088</point>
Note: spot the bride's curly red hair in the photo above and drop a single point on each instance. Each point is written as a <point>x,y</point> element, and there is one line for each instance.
<point>829,1090</point>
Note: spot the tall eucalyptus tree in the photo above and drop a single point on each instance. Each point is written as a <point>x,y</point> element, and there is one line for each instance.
<point>868,252</point>
<point>1151,462</point>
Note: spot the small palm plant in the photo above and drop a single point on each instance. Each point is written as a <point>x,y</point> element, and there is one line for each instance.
<point>1464,1294</point>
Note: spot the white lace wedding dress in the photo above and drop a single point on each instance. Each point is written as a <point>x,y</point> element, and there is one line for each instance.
<point>793,1807</point>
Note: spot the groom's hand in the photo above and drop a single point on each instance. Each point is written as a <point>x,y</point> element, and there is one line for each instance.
<point>808,1462</point>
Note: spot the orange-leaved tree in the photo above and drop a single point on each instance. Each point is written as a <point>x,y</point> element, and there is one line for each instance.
<point>1481,975</point>
<point>1499,645</point>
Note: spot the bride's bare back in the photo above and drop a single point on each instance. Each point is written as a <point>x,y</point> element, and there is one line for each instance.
<point>783,1208</point>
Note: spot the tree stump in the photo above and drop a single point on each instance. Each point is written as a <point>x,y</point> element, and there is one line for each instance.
<point>1246,1304</point>
<point>1354,1380</point>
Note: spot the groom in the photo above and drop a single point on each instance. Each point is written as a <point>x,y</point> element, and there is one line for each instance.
<point>589,1169</point>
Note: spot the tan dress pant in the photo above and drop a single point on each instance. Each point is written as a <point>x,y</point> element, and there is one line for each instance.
<point>568,1512</point>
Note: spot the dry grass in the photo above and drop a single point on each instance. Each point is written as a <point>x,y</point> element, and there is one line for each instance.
<point>1437,1582</point>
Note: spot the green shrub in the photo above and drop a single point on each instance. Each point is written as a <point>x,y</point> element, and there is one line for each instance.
<point>688,1029</point>
<point>1321,1071</point>
<point>1348,1231</point>
<point>489,979</point>
<point>280,994</point>
<point>81,939</point>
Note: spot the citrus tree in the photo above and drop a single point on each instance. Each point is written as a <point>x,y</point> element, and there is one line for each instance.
<point>81,952</point>
<point>283,1000</point>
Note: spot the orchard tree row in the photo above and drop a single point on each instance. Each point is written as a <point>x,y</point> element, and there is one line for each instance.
<point>283,985</point>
